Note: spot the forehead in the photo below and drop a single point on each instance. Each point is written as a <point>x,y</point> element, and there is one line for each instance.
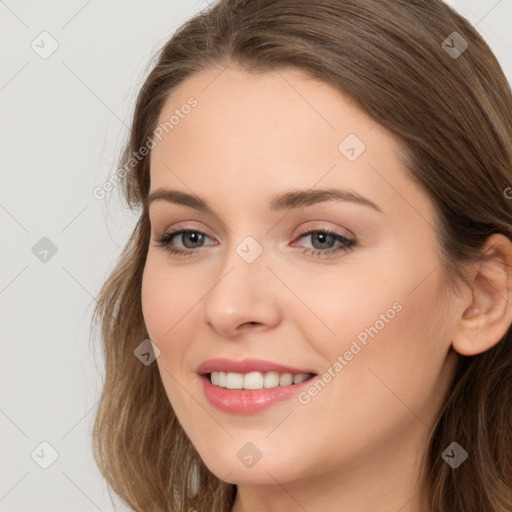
<point>285,102</point>
<point>258,132</point>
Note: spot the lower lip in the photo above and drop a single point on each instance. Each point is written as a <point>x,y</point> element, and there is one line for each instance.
<point>249,401</point>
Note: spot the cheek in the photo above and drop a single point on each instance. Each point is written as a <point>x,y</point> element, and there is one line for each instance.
<point>393,356</point>
<point>167,306</point>
<point>171,307</point>
<point>393,381</point>
<point>389,331</point>
<point>167,298</point>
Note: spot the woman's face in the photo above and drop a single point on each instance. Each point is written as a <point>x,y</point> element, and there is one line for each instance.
<point>280,273</point>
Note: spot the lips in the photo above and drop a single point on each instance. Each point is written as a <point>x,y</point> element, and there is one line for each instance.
<point>249,401</point>
<point>247,366</point>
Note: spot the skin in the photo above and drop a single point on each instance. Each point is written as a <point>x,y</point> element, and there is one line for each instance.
<point>357,445</point>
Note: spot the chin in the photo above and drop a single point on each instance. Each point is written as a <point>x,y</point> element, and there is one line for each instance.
<point>229,468</point>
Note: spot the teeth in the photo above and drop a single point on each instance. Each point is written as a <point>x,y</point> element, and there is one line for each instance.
<point>256,380</point>
<point>297,379</point>
<point>285,379</point>
<point>253,380</point>
<point>234,381</point>
<point>271,380</point>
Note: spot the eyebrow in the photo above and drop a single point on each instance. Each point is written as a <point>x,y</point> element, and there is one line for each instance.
<point>289,200</point>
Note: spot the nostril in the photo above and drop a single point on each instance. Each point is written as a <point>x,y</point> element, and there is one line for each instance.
<point>247,324</point>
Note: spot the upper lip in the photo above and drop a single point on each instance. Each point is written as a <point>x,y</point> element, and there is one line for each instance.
<point>246,366</point>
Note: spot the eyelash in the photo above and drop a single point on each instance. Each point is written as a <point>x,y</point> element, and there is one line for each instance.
<point>348,244</point>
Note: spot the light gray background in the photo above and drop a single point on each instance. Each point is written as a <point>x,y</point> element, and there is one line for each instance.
<point>63,122</point>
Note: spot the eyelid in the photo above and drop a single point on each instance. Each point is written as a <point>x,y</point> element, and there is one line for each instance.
<point>304,229</point>
<point>182,226</point>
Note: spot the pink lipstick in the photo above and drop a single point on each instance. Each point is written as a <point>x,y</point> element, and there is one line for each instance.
<point>250,385</point>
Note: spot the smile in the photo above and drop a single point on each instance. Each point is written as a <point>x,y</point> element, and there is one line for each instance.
<point>256,380</point>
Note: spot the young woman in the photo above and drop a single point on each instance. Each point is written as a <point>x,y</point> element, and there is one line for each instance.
<point>313,312</point>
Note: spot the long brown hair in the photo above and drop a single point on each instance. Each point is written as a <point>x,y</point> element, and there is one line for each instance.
<point>452,113</point>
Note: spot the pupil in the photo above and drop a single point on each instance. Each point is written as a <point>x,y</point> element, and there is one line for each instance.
<point>192,235</point>
<point>322,235</point>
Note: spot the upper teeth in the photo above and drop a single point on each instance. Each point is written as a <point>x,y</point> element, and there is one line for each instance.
<point>256,380</point>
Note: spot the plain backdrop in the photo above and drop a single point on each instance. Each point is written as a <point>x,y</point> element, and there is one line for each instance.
<point>64,119</point>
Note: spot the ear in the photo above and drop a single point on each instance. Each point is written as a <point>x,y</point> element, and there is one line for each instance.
<point>488,317</point>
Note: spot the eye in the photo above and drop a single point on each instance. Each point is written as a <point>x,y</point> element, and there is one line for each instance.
<point>189,238</point>
<point>325,238</point>
<point>193,239</point>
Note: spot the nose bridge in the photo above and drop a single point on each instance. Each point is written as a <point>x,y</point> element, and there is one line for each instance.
<point>242,292</point>
<point>243,273</point>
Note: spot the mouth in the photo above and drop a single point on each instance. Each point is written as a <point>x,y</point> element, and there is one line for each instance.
<point>251,385</point>
<point>252,374</point>
<point>256,380</point>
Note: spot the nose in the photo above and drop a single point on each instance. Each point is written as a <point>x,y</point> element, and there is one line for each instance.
<point>243,297</point>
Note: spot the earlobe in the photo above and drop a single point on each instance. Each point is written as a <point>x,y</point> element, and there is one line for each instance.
<point>488,317</point>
